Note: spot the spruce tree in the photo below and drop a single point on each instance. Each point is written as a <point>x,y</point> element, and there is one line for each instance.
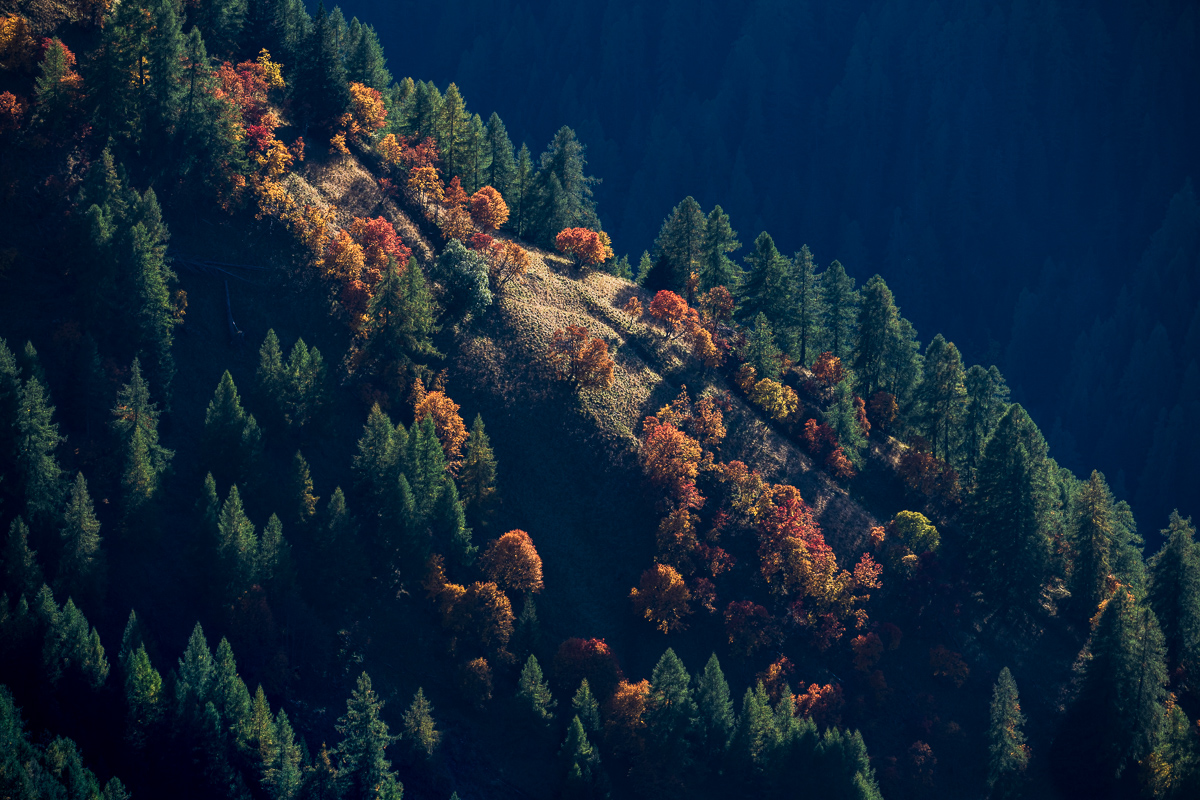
<point>1007,753</point>
<point>645,267</point>
<point>586,707</point>
<point>878,327</point>
<point>135,419</point>
<point>22,575</point>
<point>502,165</point>
<point>942,396</point>
<point>401,317</point>
<point>363,768</point>
<point>274,555</point>
<point>715,710</point>
<point>1175,592</point>
<point>534,692</point>
<point>448,521</point>
<point>1012,514</point>
<point>154,314</point>
<point>452,124</point>
<point>229,693</point>
<point>376,464</point>
<point>808,311</point>
<point>194,686</point>
<point>562,189</point>
<point>761,351</point>
<point>584,780</point>
<point>37,437</point>
<point>842,417</point>
<point>258,727</point>
<point>365,61</point>
<point>163,69</point>
<point>271,377</point>
<point>905,366</point>
<point>756,733</point>
<point>237,544</point>
<point>221,23</point>
<point>720,239</point>
<point>420,733</point>
<point>680,243</point>
<point>143,698</point>
<point>840,303</point>
<point>476,154</point>
<point>477,474</point>
<point>10,402</point>
<point>987,400</point>
<point>305,391</point>
<point>79,570</point>
<point>232,439</point>
<point>284,773</point>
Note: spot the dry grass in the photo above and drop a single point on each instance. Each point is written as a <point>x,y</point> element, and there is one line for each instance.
<point>342,185</point>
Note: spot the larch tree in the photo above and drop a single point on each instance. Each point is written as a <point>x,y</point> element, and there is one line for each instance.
<point>562,188</point>
<point>840,303</point>
<point>761,351</point>
<point>363,769</point>
<point>365,61</point>
<point>521,197</point>
<point>452,124</point>
<point>513,562</point>
<point>221,23</point>
<point>1008,755</point>
<point>1175,592</point>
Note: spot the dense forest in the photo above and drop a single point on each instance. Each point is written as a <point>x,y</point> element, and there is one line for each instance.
<point>1006,165</point>
<point>314,380</point>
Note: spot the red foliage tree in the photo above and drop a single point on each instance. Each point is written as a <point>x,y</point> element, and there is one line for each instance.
<point>488,209</point>
<point>593,659</point>
<point>749,627</point>
<point>586,247</point>
<point>671,459</point>
<point>379,242</point>
<point>662,598</point>
<point>670,309</point>
<point>454,196</point>
<point>822,704</point>
<point>828,369</point>
<point>581,358</point>
<point>506,260</point>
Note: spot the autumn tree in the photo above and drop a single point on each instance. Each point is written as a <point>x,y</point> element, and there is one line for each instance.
<point>513,563</point>
<point>575,355</point>
<point>424,180</point>
<point>585,247</point>
<point>662,598</point>
<point>671,310</point>
<point>449,425</point>
<point>1008,755</point>
<point>506,260</point>
<point>670,458</point>
<point>488,209</point>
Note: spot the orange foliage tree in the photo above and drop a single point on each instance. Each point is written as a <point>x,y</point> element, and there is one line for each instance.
<point>593,659</point>
<point>575,355</point>
<point>775,677</point>
<point>455,196</point>
<point>449,425</point>
<point>379,242</point>
<point>488,209</point>
<point>457,224</point>
<point>513,562</point>
<point>828,369</point>
<point>389,150</point>
<point>662,598</point>
<point>671,460</point>
<point>367,112</point>
<point>822,704</point>
<point>718,303</point>
<point>484,612</point>
<point>424,180</point>
<point>624,715</point>
<point>12,112</point>
<point>17,47</point>
<point>586,247</point>
<point>883,409</point>
<point>506,260</point>
<point>632,308</point>
<point>670,309</point>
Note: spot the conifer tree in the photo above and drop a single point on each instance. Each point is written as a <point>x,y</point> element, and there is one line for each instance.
<point>143,697</point>
<point>840,303</point>
<point>363,769</point>
<point>1012,513</point>
<point>376,464</point>
<point>452,124</point>
<point>761,351</point>
<point>563,190</point>
<point>271,377</point>
<point>135,419</point>
<point>477,474</point>
<point>502,165</point>
<point>645,267</point>
<point>521,201</point>
<point>237,543</point>
<point>79,570</point>
<point>671,715</point>
<point>715,709</point>
<point>154,313</point>
<point>229,693</point>
<point>842,417</point>
<point>305,390</point>
<point>274,554</point>
<point>259,729</point>
<point>163,69</point>
<point>1175,592</point>
<point>401,317</point>
<point>284,773</point>
<point>194,686</point>
<point>56,89</point>
<point>808,311</point>
<point>1008,754</point>
<point>22,575</point>
<point>586,707</point>
<point>424,467</point>
<point>767,288</point>
<point>448,521</point>
<point>681,243</point>
<point>987,400</point>
<point>420,733</point>
<point>585,780</point>
<point>232,439</point>
<point>534,692</point>
<point>305,502</point>
<point>365,62</point>
<point>1092,540</point>
<point>878,327</point>
<point>942,396</point>
<point>37,437</point>
<point>756,733</point>
<point>221,23</point>
<point>476,155</point>
<point>1116,717</point>
<point>720,239</point>
<point>322,82</point>
<point>10,402</point>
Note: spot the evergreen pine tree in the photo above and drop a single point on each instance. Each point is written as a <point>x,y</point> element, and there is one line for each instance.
<point>878,327</point>
<point>808,311</point>
<point>1092,540</point>
<point>10,402</point>
<point>645,267</point>
<point>521,200</point>
<point>1007,753</point>
<point>585,780</point>
<point>756,734</point>
<point>1175,592</point>
<point>452,125</point>
<point>401,317</point>
<point>305,502</point>
<point>164,93</point>
<point>502,165</point>
<point>842,417</point>
<point>232,439</point>
<point>143,697</point>
<point>135,419</point>
<point>987,400</point>
<point>259,728</point>
<point>154,313</point>
<point>221,23</point>
<point>271,378</point>
<point>720,239</point>
<point>274,555</point>
<point>365,62</point>
<point>420,733</point>
<point>229,693</point>
<point>715,710</point>
<point>586,707</point>
<point>671,715</point>
<point>79,570</point>
<point>767,288</point>
<point>322,83</point>
<point>450,534</point>
<point>22,575</point>
<point>477,474</point>
<point>1012,513</point>
<point>194,686</point>
<point>55,90</point>
<point>534,692</point>
<point>761,351</point>
<point>363,768</point>
<point>376,464</point>
<point>563,190</point>
<point>37,437</point>
<point>681,243</point>
<point>305,392</point>
<point>237,544</point>
<point>942,396</point>
<point>476,154</point>
<point>840,303</point>
<point>283,776</point>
